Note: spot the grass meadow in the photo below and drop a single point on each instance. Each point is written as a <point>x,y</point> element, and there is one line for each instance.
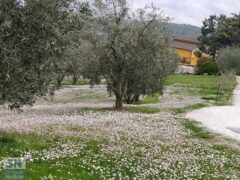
<point>76,135</point>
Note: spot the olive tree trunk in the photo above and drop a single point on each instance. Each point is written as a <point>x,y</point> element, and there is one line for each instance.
<point>119,102</point>
<point>59,81</point>
<point>119,97</point>
<point>75,79</point>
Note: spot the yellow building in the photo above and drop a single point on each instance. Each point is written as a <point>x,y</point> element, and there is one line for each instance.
<point>185,48</point>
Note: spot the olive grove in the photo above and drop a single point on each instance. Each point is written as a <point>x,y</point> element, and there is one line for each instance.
<point>42,42</point>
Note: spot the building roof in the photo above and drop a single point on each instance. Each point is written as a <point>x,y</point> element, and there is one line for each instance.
<point>185,43</point>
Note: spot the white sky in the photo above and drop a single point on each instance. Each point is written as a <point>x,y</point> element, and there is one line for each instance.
<point>192,11</point>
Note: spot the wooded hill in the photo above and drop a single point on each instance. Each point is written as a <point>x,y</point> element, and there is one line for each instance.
<point>182,30</point>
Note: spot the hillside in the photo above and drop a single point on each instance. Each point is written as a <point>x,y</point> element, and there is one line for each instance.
<point>182,30</point>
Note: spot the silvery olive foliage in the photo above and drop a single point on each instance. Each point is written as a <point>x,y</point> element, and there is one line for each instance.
<point>31,44</point>
<point>75,52</point>
<point>43,41</point>
<point>130,49</point>
<point>229,59</point>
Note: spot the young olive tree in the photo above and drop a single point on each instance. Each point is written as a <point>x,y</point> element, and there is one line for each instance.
<point>131,50</point>
<point>30,46</point>
<point>224,83</point>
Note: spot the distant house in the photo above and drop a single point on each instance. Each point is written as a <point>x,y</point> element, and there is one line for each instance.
<point>185,48</point>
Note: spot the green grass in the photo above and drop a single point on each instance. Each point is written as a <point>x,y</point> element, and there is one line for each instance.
<point>188,108</point>
<point>79,82</point>
<point>225,149</point>
<point>13,144</point>
<point>142,109</point>
<point>73,168</point>
<point>203,86</point>
<point>133,109</point>
<point>194,80</point>
<point>85,96</point>
<point>196,130</point>
<point>229,152</point>
<point>150,99</point>
<point>64,167</point>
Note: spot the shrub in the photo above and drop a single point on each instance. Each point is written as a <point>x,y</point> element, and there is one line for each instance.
<point>209,67</point>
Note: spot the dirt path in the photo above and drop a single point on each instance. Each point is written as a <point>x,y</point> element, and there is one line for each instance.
<point>223,120</point>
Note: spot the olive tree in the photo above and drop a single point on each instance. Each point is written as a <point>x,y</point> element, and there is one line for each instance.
<point>74,54</point>
<point>131,50</point>
<point>229,59</point>
<point>76,59</point>
<point>146,76</point>
<point>30,45</point>
<point>225,82</point>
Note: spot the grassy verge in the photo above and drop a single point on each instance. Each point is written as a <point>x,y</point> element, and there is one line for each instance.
<point>196,130</point>
<point>194,80</point>
<point>186,109</point>
<point>204,86</point>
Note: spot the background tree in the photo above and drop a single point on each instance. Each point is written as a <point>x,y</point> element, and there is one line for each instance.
<point>209,35</point>
<point>30,45</point>
<point>229,33</point>
<point>73,31</point>
<point>77,57</point>
<point>220,32</point>
<point>229,59</point>
<point>131,49</point>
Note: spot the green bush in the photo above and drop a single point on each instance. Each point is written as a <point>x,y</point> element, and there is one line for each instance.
<point>208,67</point>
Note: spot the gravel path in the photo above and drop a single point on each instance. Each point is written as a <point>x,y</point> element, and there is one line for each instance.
<point>223,120</point>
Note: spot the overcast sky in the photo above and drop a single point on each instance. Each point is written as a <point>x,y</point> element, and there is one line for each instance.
<point>192,11</point>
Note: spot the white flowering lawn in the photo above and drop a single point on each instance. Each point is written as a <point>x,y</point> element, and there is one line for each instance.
<point>71,137</point>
